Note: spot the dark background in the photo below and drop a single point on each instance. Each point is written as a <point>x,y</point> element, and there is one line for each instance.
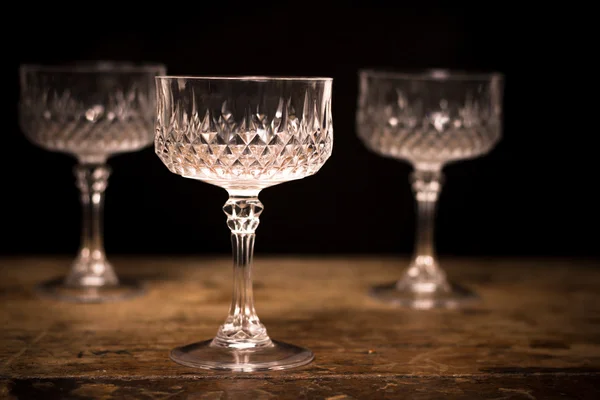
<point>533,195</point>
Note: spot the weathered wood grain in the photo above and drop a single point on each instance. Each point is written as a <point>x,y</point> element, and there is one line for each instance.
<point>373,388</point>
<point>539,321</point>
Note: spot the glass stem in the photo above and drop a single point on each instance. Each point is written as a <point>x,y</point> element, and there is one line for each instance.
<point>242,328</point>
<point>424,273</point>
<point>91,267</point>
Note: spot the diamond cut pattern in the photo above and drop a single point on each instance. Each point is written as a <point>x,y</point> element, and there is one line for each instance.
<point>95,113</point>
<point>427,124</point>
<point>249,146</point>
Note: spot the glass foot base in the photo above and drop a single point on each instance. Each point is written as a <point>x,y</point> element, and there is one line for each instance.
<point>57,290</point>
<point>277,356</point>
<point>455,296</point>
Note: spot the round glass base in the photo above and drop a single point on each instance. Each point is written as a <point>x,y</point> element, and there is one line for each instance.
<point>57,290</point>
<point>450,296</point>
<point>276,356</point>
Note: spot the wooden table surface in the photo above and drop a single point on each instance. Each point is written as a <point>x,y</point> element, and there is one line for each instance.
<point>536,334</point>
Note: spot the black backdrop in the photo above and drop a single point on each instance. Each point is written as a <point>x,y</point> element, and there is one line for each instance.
<point>525,198</point>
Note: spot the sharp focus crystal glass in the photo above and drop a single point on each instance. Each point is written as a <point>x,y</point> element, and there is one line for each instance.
<point>428,119</point>
<point>91,111</point>
<point>243,134</point>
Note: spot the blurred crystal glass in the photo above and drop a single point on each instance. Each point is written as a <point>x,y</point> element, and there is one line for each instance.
<point>91,111</point>
<point>243,134</point>
<point>428,119</point>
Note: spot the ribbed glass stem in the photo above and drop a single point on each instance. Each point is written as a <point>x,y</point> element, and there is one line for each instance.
<point>91,267</point>
<point>424,274</point>
<point>242,328</point>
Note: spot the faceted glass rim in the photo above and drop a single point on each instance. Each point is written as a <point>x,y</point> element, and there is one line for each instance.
<point>96,67</point>
<point>246,78</point>
<point>432,74</point>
